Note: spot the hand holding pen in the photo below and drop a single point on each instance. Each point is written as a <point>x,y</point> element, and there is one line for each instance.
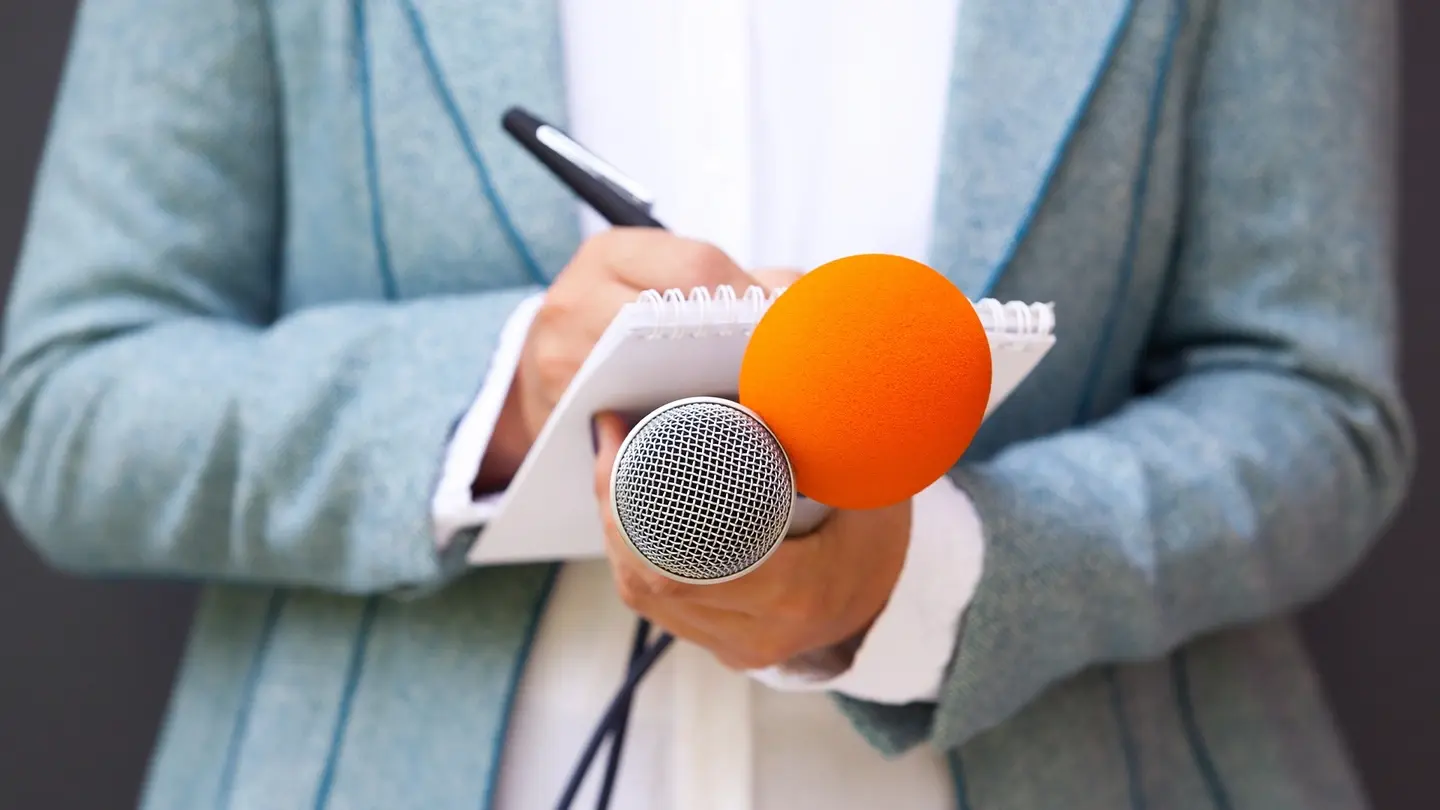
<point>609,270</point>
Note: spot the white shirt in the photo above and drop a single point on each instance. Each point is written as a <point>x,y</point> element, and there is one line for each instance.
<point>788,134</point>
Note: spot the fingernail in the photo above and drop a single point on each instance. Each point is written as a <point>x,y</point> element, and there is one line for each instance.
<point>594,436</point>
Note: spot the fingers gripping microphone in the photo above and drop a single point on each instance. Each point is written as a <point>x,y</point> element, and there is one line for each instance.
<point>703,492</point>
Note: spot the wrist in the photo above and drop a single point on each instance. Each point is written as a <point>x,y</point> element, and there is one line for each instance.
<point>827,661</point>
<point>506,449</point>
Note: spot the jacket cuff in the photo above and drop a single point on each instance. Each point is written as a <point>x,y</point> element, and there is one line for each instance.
<point>454,508</point>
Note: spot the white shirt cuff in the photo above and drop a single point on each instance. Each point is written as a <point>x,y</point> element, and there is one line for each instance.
<point>453,507</point>
<point>905,654</point>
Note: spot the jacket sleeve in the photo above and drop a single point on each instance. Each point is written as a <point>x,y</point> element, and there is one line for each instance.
<point>1272,446</point>
<point>156,417</point>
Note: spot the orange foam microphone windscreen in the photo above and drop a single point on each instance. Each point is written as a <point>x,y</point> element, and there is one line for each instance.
<point>873,372</point>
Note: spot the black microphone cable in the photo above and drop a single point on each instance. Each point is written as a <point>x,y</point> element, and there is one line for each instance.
<point>617,737</point>
<point>614,722</point>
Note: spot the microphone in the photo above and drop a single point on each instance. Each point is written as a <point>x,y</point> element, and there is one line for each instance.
<point>862,384</point>
<point>703,492</point>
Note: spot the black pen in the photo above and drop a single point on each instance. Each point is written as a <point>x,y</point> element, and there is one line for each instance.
<point>617,198</point>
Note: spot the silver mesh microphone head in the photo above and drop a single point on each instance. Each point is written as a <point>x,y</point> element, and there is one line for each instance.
<point>702,491</point>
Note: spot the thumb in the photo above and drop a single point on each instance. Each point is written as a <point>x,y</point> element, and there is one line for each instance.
<point>773,278</point>
<point>610,432</point>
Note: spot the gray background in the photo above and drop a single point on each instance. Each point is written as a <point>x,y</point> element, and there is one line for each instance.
<point>87,665</point>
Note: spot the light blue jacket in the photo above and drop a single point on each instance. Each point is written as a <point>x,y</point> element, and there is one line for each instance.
<point>273,244</point>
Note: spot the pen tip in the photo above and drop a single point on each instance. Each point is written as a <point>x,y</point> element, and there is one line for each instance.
<point>518,118</point>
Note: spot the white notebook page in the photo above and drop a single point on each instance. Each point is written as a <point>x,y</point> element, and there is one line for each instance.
<point>657,350</point>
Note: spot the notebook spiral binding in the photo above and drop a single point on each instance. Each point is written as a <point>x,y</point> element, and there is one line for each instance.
<point>1016,318</point>
<point>674,314</point>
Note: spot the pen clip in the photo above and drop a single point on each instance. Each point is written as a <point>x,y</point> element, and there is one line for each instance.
<point>561,144</point>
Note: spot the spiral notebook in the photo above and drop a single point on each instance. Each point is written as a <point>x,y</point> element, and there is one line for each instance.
<point>661,348</point>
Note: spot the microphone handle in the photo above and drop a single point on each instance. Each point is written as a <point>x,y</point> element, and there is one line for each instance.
<point>806,516</point>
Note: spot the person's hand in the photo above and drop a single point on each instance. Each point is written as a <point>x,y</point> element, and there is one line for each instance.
<point>813,593</point>
<point>608,271</point>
